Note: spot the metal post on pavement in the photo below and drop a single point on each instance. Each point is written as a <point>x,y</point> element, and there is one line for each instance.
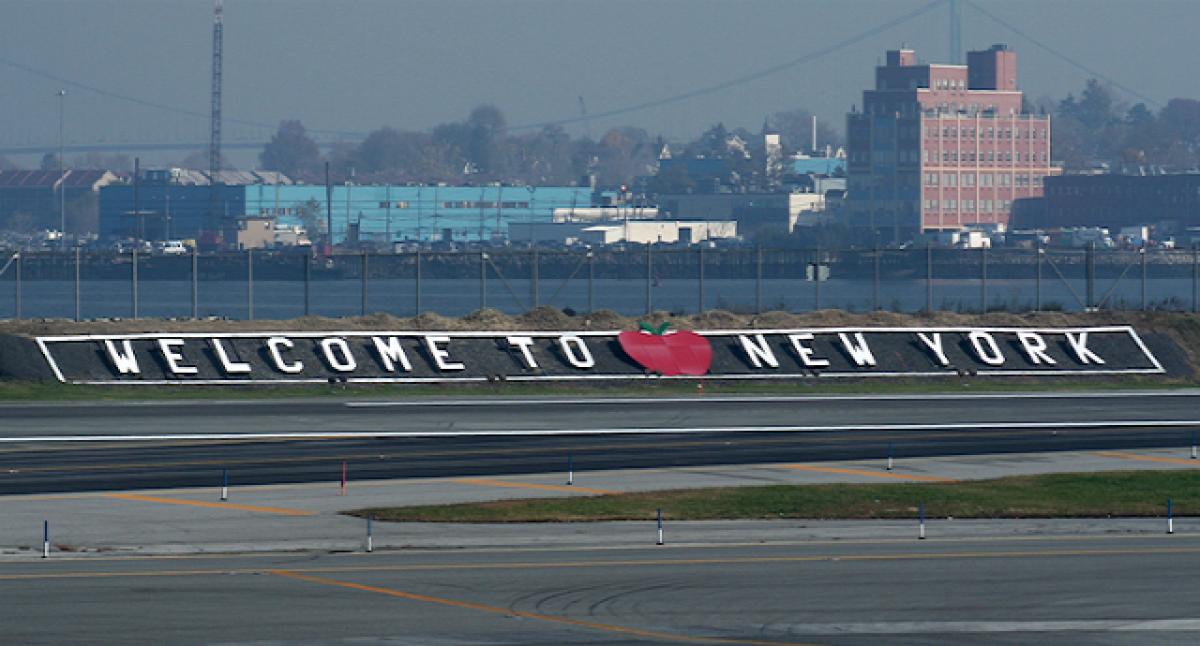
<point>570,469</point>
<point>343,477</point>
<point>1170,518</point>
<point>45,539</point>
<point>370,533</point>
<point>921,516</point>
<point>1193,445</point>
<point>890,453</point>
<point>660,526</point>
<point>224,484</point>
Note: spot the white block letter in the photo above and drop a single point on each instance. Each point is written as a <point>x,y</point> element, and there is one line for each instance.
<point>174,358</point>
<point>576,351</point>
<point>390,353</point>
<point>758,351</point>
<point>525,345</point>
<point>1035,347</point>
<point>861,353</point>
<point>342,360</point>
<point>440,355</point>
<point>273,345</point>
<point>935,344</point>
<point>123,361</point>
<point>228,365</point>
<point>990,355</point>
<point>1079,345</point>
<point>805,352</point>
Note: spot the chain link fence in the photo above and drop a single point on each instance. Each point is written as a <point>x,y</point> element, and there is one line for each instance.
<point>279,285</point>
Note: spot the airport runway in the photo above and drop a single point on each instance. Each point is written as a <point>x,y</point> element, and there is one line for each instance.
<point>986,591</point>
<point>307,440</point>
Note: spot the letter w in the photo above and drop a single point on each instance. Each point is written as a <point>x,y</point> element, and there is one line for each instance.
<point>123,360</point>
<point>860,352</point>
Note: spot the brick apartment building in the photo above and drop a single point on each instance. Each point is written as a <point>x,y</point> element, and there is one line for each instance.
<point>943,147</point>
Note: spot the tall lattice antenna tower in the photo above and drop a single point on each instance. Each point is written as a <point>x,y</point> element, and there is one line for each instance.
<point>955,33</point>
<point>214,146</point>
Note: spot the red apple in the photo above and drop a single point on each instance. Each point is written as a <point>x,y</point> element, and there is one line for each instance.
<point>675,352</point>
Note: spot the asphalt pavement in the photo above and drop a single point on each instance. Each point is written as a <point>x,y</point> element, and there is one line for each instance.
<point>987,591</point>
<point>307,440</point>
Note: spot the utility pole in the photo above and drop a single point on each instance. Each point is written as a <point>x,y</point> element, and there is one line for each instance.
<point>62,173</point>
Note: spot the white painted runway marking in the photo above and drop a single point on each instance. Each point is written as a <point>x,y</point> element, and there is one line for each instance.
<point>613,431</point>
<point>732,399</point>
<point>957,627</point>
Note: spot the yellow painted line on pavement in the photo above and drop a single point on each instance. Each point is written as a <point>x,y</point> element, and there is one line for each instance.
<point>282,511</point>
<point>510,612</point>
<point>602,563</point>
<point>864,472</point>
<point>488,482</point>
<point>1147,458</point>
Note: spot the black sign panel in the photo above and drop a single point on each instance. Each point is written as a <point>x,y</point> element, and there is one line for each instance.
<point>415,357</point>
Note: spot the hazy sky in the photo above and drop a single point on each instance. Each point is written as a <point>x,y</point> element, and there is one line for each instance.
<point>354,65</point>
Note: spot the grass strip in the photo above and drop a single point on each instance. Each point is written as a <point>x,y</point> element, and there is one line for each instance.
<point>1060,495</point>
<point>15,391</point>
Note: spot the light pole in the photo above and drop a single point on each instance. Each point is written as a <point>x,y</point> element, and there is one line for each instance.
<point>62,174</point>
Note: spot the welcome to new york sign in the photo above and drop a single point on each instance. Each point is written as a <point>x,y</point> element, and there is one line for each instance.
<point>423,356</point>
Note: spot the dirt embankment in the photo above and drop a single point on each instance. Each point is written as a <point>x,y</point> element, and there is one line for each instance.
<point>1182,328</point>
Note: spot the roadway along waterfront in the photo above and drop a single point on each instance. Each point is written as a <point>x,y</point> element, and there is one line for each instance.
<point>989,590</point>
<point>165,443</point>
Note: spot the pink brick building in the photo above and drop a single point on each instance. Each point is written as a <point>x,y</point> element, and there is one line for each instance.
<point>943,147</point>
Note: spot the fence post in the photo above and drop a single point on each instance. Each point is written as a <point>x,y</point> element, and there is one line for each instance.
<point>533,268</point>
<point>817,280</point>
<point>78,312</point>
<point>195,285</point>
<point>1090,275</point>
<point>483,279</point>
<point>307,280</point>
<point>921,522</point>
<point>364,288</point>
<point>1038,252</point>
<point>45,539</point>
<point>649,279</point>
<point>591,258</point>
<point>929,277</point>
<point>1195,278</point>
<point>758,279</point>
<point>1144,259</point>
<point>418,281</point>
<point>700,264</point>
<point>983,267</point>
<point>878,262</point>
<point>17,285</point>
<point>133,276</point>
<point>250,284</point>
<point>660,526</point>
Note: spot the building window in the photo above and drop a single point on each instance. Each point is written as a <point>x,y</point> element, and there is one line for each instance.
<point>1005,179</point>
<point>968,205</point>
<point>968,180</point>
<point>949,179</point>
<point>985,179</point>
<point>951,205</point>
